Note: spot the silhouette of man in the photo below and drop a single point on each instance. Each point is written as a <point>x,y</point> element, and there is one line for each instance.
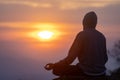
<point>90,49</point>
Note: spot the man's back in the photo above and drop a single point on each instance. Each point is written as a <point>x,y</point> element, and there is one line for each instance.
<point>92,56</point>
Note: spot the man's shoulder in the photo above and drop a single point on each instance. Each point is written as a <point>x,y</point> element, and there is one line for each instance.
<point>101,34</point>
<point>88,33</point>
<point>80,34</point>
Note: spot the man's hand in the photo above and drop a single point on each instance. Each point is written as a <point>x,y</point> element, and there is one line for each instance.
<point>49,66</point>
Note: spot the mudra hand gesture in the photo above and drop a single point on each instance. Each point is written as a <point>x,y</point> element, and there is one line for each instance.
<point>49,66</point>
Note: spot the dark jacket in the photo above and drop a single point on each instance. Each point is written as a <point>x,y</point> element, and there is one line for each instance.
<point>89,47</point>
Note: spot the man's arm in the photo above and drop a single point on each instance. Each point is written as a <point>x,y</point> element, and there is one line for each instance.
<point>73,52</point>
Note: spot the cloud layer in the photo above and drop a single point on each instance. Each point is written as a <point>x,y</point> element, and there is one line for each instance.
<point>63,11</point>
<point>62,4</point>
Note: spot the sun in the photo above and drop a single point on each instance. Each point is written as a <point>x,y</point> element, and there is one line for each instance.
<point>45,34</point>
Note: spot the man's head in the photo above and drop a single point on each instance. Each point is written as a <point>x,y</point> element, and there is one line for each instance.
<point>90,20</point>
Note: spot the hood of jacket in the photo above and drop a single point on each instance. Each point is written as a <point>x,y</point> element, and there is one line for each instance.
<point>90,20</point>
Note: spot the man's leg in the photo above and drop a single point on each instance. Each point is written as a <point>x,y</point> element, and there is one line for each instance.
<point>67,70</point>
<point>73,72</point>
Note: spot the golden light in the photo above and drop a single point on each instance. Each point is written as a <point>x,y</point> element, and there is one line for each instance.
<point>45,34</point>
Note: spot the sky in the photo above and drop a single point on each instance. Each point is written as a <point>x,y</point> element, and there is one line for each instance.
<point>23,53</point>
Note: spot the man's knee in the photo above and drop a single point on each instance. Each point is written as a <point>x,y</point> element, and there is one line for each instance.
<point>60,70</point>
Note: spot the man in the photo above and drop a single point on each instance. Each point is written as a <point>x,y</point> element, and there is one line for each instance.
<point>90,49</point>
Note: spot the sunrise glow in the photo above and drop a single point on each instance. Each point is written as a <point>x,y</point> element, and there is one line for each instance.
<point>34,33</point>
<point>45,34</point>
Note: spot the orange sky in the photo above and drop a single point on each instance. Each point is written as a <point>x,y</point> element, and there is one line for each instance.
<point>21,20</point>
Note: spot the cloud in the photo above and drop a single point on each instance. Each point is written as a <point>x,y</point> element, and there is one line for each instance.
<point>62,4</point>
<point>62,11</point>
<point>17,29</point>
<point>27,3</point>
<point>77,4</point>
<point>109,15</point>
